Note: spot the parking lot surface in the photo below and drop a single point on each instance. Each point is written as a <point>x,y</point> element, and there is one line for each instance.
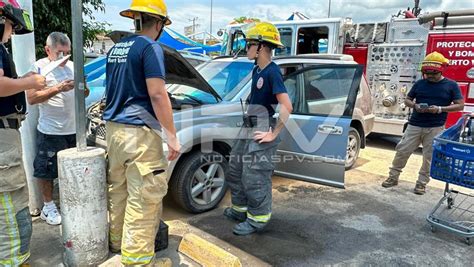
<point>361,225</point>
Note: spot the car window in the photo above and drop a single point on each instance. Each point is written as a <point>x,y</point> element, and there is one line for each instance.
<point>325,91</point>
<point>238,44</point>
<point>290,82</point>
<point>286,36</point>
<point>312,40</point>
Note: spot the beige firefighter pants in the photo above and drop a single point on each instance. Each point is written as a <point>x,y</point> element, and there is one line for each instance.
<point>411,140</point>
<point>15,227</point>
<point>15,220</point>
<point>137,183</point>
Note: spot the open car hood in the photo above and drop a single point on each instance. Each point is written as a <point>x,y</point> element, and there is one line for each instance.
<point>178,69</point>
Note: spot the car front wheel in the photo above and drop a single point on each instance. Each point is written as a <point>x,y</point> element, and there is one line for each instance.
<point>353,148</point>
<point>198,181</point>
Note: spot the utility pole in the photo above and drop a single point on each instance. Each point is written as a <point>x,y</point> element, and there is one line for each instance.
<point>194,24</point>
<point>79,83</point>
<point>210,31</point>
<point>329,9</point>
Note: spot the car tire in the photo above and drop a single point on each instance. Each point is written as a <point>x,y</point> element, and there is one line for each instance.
<point>353,148</point>
<point>194,173</point>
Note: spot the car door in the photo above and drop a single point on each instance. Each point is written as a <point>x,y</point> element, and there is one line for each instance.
<point>314,141</point>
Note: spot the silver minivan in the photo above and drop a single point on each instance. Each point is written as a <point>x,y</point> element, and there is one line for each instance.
<point>331,117</point>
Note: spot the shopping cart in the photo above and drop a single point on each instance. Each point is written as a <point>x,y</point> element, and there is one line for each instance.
<point>453,163</point>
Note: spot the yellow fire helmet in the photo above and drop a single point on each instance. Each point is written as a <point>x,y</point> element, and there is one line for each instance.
<point>150,7</point>
<point>262,32</point>
<point>435,62</point>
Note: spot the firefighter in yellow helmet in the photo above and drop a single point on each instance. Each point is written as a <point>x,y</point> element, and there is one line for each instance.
<point>135,91</point>
<point>251,162</point>
<point>431,98</point>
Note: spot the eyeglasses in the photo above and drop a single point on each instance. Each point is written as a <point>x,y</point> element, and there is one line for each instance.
<point>250,44</point>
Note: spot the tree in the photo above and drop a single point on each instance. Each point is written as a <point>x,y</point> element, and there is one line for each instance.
<point>242,20</point>
<point>55,15</point>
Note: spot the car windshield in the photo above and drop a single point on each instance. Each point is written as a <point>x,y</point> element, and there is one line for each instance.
<point>226,77</point>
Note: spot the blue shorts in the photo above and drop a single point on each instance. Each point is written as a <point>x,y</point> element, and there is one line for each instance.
<point>46,161</point>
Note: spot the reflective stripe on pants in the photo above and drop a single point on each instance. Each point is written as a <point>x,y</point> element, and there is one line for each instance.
<point>239,208</point>
<point>137,183</point>
<point>250,177</point>
<point>15,227</point>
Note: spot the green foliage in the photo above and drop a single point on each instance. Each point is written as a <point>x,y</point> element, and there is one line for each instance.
<point>55,15</point>
<point>245,20</point>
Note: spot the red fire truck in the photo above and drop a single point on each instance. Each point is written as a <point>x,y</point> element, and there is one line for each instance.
<point>390,51</point>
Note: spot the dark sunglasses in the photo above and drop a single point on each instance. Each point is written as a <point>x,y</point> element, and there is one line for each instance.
<point>250,44</point>
<point>431,73</point>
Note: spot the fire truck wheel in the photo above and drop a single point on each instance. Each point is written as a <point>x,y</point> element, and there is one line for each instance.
<point>353,148</point>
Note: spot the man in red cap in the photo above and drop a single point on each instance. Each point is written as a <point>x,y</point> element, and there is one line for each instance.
<point>431,98</point>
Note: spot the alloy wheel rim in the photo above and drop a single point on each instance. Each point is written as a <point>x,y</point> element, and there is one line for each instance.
<point>207,183</point>
<point>351,149</point>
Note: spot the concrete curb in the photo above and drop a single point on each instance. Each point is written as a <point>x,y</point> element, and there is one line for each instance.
<point>207,247</point>
<point>190,246</point>
<point>206,253</point>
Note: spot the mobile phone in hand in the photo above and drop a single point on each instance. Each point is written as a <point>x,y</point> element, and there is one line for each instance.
<point>423,105</point>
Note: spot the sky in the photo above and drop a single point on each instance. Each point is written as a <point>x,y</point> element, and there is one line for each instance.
<point>224,11</point>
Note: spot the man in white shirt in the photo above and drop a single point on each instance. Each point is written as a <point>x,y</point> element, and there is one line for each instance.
<point>56,124</point>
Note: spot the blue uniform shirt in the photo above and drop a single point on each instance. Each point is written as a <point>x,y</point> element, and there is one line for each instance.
<point>15,103</point>
<point>129,63</point>
<point>442,93</point>
<point>266,84</point>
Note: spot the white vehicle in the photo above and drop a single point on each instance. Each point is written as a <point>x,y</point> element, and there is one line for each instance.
<point>390,52</point>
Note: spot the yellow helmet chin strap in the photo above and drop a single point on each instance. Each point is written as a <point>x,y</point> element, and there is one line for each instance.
<point>259,48</point>
<point>258,52</point>
<point>161,31</point>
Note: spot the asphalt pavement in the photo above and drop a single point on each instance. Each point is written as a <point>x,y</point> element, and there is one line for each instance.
<point>313,225</point>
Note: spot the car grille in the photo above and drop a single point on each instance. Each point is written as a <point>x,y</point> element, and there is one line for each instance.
<point>100,132</point>
<point>96,131</point>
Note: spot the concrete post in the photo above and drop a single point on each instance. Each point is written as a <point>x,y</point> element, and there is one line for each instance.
<point>24,57</point>
<point>82,177</point>
<point>83,199</point>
